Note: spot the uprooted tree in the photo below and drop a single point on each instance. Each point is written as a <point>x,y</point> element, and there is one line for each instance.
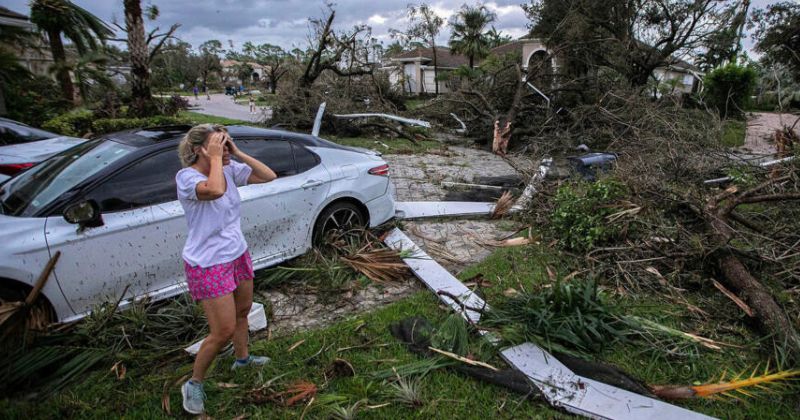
<point>671,231</point>
<point>338,68</point>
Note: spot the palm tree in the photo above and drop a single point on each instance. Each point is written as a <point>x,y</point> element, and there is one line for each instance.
<point>468,37</point>
<point>83,29</point>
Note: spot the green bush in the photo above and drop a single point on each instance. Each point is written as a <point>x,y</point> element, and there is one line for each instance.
<point>728,89</point>
<point>73,123</point>
<point>110,125</point>
<point>579,219</point>
<point>33,101</point>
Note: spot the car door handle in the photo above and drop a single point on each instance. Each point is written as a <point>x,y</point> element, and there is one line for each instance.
<point>311,183</point>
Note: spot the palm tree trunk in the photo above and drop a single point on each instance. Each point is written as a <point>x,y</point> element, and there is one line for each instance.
<point>60,59</point>
<point>141,96</point>
<point>471,61</point>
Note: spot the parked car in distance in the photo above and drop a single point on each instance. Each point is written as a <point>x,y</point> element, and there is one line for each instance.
<point>109,205</point>
<point>22,146</point>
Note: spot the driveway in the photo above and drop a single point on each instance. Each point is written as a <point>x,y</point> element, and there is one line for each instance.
<point>454,243</point>
<point>761,126</point>
<point>222,105</point>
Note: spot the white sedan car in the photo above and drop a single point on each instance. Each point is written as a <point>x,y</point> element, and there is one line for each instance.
<point>110,206</point>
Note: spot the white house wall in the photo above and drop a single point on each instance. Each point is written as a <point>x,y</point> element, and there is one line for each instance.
<point>430,82</point>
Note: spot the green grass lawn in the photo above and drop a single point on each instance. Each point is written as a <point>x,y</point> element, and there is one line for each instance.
<point>733,133</point>
<point>140,393</point>
<point>364,341</point>
<point>198,118</point>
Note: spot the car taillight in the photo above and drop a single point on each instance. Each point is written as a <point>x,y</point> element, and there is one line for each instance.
<point>382,170</point>
<point>12,169</point>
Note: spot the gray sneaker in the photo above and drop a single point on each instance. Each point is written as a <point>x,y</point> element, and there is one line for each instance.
<point>251,361</point>
<point>193,396</point>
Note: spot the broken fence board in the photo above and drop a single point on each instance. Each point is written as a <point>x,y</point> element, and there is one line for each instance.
<point>423,209</point>
<point>436,277</point>
<point>584,396</point>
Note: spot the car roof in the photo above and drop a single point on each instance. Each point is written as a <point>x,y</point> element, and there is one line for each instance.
<point>143,137</point>
<point>18,126</point>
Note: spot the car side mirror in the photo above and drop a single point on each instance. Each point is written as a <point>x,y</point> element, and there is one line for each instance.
<point>84,213</point>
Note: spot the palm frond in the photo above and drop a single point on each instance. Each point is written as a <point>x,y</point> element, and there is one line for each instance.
<point>739,384</point>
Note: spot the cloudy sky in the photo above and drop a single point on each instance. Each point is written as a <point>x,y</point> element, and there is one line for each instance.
<point>285,22</point>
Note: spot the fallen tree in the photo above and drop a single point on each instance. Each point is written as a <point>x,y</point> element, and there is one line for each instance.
<point>669,232</point>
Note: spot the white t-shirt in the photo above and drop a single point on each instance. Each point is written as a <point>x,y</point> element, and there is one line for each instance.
<point>215,229</point>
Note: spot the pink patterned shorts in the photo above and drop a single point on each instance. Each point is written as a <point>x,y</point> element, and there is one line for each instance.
<point>218,280</point>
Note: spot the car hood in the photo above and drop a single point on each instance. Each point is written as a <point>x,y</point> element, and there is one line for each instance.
<point>14,229</point>
<point>36,151</point>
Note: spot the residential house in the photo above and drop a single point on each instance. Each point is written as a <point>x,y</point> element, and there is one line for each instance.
<point>35,57</point>
<point>230,72</point>
<point>413,70</point>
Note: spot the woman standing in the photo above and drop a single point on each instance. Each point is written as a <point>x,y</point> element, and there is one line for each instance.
<point>219,272</point>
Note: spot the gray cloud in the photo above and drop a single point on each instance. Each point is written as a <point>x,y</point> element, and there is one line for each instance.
<point>285,22</point>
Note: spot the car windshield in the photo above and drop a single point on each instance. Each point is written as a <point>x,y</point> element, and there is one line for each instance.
<point>14,133</point>
<point>41,185</point>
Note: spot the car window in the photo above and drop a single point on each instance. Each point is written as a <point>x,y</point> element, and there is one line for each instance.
<point>277,154</point>
<point>304,158</point>
<point>149,181</point>
<point>30,191</point>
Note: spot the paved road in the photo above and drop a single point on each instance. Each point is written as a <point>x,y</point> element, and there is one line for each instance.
<point>761,126</point>
<point>222,105</point>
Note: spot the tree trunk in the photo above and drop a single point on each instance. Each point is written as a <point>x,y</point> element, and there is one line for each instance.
<point>736,276</point>
<point>141,96</point>
<point>60,58</point>
<point>471,61</point>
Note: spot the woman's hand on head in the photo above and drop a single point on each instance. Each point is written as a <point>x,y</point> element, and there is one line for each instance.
<point>231,145</point>
<point>215,146</point>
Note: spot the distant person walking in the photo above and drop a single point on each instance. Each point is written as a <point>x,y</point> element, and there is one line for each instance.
<point>219,272</point>
<point>208,95</point>
<point>252,104</point>
<point>196,91</point>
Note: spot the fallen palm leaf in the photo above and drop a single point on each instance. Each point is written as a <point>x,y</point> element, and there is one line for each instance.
<point>503,205</point>
<point>296,392</point>
<point>295,345</point>
<point>379,265</point>
<point>119,369</point>
<point>654,326</point>
<point>723,387</point>
<point>740,303</point>
<point>463,359</point>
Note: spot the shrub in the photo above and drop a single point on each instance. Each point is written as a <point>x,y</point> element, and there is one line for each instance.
<point>173,105</point>
<point>110,125</point>
<point>579,219</point>
<point>33,101</point>
<point>728,89</point>
<point>74,123</point>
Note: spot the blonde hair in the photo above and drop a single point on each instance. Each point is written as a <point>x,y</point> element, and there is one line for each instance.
<point>195,137</point>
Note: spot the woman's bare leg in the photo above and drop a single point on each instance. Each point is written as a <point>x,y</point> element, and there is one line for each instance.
<point>221,314</point>
<point>243,297</point>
